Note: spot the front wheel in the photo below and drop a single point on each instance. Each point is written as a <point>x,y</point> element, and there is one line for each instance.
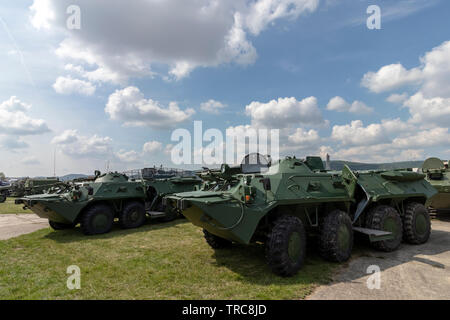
<point>2,198</point>
<point>216,242</point>
<point>336,236</point>
<point>132,215</point>
<point>61,226</point>
<point>286,246</point>
<point>97,219</point>
<point>416,223</point>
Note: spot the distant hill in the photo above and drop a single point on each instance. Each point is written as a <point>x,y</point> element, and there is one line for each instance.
<point>339,164</point>
<point>72,176</point>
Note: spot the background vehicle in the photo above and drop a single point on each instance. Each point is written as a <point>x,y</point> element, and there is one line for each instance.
<point>97,203</point>
<point>284,203</point>
<point>438,174</point>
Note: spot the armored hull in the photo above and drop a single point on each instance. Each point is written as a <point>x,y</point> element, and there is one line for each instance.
<point>248,207</point>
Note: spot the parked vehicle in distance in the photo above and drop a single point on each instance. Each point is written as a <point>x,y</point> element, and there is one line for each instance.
<point>95,204</point>
<point>438,174</point>
<point>284,203</point>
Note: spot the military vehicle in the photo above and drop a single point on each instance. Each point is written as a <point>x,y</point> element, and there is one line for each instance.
<point>4,191</point>
<point>438,174</point>
<point>280,204</point>
<point>96,204</point>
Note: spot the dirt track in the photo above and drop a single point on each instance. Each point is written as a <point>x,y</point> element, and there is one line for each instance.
<point>13,225</point>
<point>412,272</point>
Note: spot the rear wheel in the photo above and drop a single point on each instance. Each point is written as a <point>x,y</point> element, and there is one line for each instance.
<point>386,218</point>
<point>2,198</point>
<point>97,219</point>
<point>132,215</point>
<point>61,226</point>
<point>336,236</point>
<point>286,246</point>
<point>216,242</point>
<point>416,223</point>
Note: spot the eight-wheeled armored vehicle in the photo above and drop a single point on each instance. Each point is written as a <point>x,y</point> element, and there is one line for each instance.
<point>281,204</point>
<point>96,204</point>
<point>438,174</point>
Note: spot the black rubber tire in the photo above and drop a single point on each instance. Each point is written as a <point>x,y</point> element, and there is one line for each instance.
<point>277,246</point>
<point>375,220</point>
<point>87,220</point>
<point>216,242</point>
<point>330,236</point>
<point>60,226</point>
<point>410,233</point>
<point>126,218</point>
<point>2,198</point>
<point>170,216</point>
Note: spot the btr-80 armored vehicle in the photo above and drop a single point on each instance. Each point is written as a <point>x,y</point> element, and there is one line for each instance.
<point>438,174</point>
<point>97,203</point>
<point>282,203</point>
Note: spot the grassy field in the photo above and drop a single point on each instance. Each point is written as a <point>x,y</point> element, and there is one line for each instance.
<point>157,261</point>
<point>9,207</point>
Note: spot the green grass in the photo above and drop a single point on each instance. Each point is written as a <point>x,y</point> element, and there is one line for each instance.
<point>157,261</point>
<point>8,207</point>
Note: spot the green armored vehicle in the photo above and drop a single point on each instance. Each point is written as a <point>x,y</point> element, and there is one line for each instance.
<point>283,203</point>
<point>97,203</point>
<point>4,191</point>
<point>438,174</point>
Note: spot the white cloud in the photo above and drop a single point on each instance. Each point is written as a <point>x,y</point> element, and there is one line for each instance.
<point>304,138</point>
<point>212,106</point>
<point>397,98</point>
<point>424,138</point>
<point>152,146</point>
<point>14,104</point>
<point>67,137</point>
<point>285,112</point>
<point>356,134</point>
<point>429,111</point>
<point>340,105</point>
<point>67,85</point>
<point>73,144</point>
<point>391,77</point>
<point>13,143</point>
<point>14,120</point>
<point>265,12</point>
<point>124,40</point>
<point>130,107</point>
<point>128,156</point>
<point>42,14</point>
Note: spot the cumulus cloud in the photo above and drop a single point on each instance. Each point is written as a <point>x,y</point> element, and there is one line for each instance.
<point>212,106</point>
<point>397,98</point>
<point>68,85</point>
<point>73,144</point>
<point>391,77</point>
<point>340,105</point>
<point>130,107</point>
<point>430,105</point>
<point>67,137</point>
<point>124,39</point>
<point>285,112</point>
<point>15,121</point>
<point>304,138</point>
<point>152,146</point>
<point>356,134</point>
<point>128,156</point>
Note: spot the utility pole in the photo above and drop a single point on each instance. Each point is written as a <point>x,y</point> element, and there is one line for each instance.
<point>54,163</point>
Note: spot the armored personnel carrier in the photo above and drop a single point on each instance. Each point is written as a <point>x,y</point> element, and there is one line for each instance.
<point>97,203</point>
<point>438,174</point>
<point>284,203</point>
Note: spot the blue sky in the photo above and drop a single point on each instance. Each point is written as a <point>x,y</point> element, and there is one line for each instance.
<point>379,95</point>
